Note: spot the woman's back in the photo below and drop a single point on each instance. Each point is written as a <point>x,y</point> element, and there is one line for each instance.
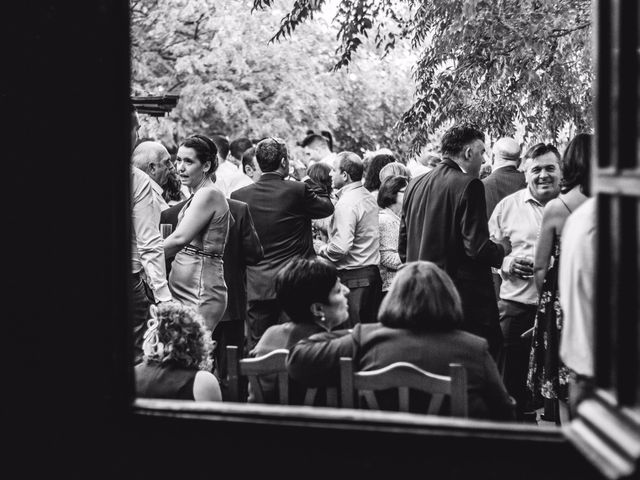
<point>156,380</point>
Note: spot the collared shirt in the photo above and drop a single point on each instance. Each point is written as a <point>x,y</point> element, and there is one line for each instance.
<point>147,251</point>
<point>576,278</point>
<point>517,216</point>
<point>230,179</point>
<point>157,194</point>
<point>354,229</point>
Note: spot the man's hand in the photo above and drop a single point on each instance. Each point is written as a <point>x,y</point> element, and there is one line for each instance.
<point>522,267</point>
<point>506,244</point>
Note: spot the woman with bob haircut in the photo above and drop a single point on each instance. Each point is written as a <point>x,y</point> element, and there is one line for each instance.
<point>548,378</point>
<point>419,324</point>
<point>312,296</point>
<point>177,356</point>
<point>196,278</point>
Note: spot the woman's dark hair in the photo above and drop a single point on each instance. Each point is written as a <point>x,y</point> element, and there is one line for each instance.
<point>172,189</point>
<point>576,163</point>
<point>372,177</point>
<point>303,282</point>
<point>389,190</point>
<point>205,149</point>
<point>422,297</point>
<point>320,173</point>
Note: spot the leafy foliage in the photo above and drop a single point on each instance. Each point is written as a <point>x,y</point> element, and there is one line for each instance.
<point>231,79</point>
<point>501,63</point>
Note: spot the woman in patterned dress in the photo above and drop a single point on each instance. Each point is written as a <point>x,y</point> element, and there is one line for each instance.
<point>547,378</point>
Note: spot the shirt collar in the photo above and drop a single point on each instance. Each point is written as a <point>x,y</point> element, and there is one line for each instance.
<point>157,188</point>
<point>348,188</point>
<point>530,198</point>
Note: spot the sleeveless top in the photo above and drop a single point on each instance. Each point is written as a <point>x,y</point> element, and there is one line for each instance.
<point>169,381</point>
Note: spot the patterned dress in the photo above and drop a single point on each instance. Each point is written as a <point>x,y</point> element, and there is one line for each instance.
<point>548,377</point>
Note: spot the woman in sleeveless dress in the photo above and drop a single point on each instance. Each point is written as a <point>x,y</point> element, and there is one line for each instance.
<point>177,356</point>
<point>196,277</point>
<point>548,377</point>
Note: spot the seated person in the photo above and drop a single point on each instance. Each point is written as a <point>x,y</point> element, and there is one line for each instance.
<point>177,356</point>
<point>419,321</point>
<point>311,294</point>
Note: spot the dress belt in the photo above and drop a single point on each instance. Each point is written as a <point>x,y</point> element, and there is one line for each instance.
<point>191,250</point>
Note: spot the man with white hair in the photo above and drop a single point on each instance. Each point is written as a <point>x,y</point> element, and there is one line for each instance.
<point>154,160</point>
<point>505,178</point>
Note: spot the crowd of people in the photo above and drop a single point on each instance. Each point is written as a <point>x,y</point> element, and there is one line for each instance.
<point>378,259</point>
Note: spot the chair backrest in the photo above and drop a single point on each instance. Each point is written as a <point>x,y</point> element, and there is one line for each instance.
<point>405,376</point>
<point>273,363</point>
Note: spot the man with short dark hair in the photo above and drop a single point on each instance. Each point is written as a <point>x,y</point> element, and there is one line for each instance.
<point>250,166</point>
<point>316,149</point>
<point>228,177</point>
<point>518,217</point>
<point>236,148</point>
<point>354,239</point>
<point>282,213</point>
<point>444,220</point>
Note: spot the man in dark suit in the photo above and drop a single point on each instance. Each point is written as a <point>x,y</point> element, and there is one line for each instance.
<point>444,220</point>
<point>242,248</point>
<point>505,179</point>
<point>282,211</point>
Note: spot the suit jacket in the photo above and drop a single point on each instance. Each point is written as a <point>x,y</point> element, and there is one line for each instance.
<point>444,221</point>
<point>282,211</point>
<point>501,183</point>
<point>242,248</point>
<point>314,362</point>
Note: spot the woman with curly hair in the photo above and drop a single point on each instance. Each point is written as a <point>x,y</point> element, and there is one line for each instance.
<point>177,356</point>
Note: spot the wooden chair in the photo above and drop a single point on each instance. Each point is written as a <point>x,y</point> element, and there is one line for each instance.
<point>405,376</point>
<point>273,363</point>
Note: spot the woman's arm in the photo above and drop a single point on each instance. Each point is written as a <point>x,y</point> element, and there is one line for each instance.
<point>315,361</point>
<point>206,202</point>
<point>548,228</point>
<point>206,387</point>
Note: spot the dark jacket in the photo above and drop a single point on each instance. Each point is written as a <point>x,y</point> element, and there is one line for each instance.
<point>444,220</point>
<point>502,182</point>
<point>282,211</point>
<point>242,248</point>
<point>170,215</point>
<point>314,362</point>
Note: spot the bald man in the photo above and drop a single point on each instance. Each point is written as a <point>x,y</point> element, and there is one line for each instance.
<point>505,178</point>
<point>154,160</point>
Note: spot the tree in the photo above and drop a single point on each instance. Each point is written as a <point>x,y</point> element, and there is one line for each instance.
<point>500,63</point>
<point>217,57</point>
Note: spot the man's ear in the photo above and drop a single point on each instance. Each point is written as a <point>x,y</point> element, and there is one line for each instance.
<point>467,153</point>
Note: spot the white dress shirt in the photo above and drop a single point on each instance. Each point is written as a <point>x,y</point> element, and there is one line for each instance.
<point>354,234</point>
<point>147,251</point>
<point>517,216</point>
<point>576,279</point>
<point>229,178</point>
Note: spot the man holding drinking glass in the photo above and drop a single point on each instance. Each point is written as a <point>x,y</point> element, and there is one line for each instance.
<point>518,217</point>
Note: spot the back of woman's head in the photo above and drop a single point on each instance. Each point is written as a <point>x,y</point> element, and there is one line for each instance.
<point>205,149</point>
<point>394,168</point>
<point>372,177</point>
<point>176,334</point>
<point>576,163</point>
<point>303,282</point>
<point>422,297</point>
<point>389,189</point>
<point>320,173</point>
